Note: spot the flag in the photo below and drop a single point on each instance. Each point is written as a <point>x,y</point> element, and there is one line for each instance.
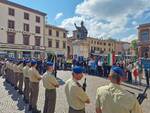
<point>111,58</point>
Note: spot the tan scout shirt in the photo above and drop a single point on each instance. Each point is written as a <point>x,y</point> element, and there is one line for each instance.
<point>11,66</point>
<point>113,99</point>
<point>7,63</point>
<point>20,68</point>
<point>15,68</point>
<point>26,71</point>
<point>34,75</point>
<point>49,80</point>
<point>76,97</point>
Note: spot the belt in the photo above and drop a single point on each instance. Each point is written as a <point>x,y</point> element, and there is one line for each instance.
<point>26,78</point>
<point>76,110</point>
<point>50,89</point>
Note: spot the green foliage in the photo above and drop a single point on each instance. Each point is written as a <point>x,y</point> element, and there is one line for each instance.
<point>134,46</point>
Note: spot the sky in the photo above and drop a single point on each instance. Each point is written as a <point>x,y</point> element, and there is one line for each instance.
<point>117,19</point>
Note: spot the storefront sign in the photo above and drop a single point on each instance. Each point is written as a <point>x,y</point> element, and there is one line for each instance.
<point>38,48</point>
<point>15,47</point>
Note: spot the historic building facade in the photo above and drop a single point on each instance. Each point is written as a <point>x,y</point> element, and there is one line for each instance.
<point>99,46</point>
<point>56,40</point>
<point>144,40</point>
<point>21,30</point>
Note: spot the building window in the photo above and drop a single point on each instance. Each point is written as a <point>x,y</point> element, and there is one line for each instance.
<point>50,32</point>
<point>37,29</point>
<point>97,43</point>
<point>109,49</point>
<point>64,35</point>
<point>64,45</point>
<point>144,35</point>
<point>104,44</point>
<point>57,33</point>
<point>11,12</point>
<point>11,24</point>
<point>92,41</point>
<point>104,49</point>
<point>37,40</point>
<point>57,43</point>
<point>10,38</point>
<point>26,27</point>
<point>49,43</point>
<point>37,19</point>
<point>26,39</point>
<point>26,16</point>
<point>109,44</point>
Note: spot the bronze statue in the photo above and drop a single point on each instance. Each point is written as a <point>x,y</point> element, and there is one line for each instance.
<point>81,31</point>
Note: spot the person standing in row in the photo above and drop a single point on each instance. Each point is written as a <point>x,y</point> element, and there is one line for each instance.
<point>113,99</point>
<point>35,78</point>
<point>16,74</point>
<point>76,97</point>
<point>20,75</point>
<point>11,72</point>
<point>50,84</point>
<point>26,80</point>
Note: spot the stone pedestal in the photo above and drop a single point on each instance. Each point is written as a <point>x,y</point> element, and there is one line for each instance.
<point>81,48</point>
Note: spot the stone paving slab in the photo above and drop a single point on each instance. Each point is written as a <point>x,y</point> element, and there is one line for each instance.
<point>12,102</point>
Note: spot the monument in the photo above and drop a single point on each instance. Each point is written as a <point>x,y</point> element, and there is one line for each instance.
<point>81,45</point>
<point>81,31</point>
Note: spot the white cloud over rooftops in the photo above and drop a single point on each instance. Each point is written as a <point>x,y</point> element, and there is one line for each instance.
<point>58,15</point>
<point>107,18</point>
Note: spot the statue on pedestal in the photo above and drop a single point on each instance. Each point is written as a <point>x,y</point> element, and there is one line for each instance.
<point>81,31</point>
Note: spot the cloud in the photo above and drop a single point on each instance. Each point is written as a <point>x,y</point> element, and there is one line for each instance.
<point>129,38</point>
<point>108,18</point>
<point>110,8</point>
<point>58,15</point>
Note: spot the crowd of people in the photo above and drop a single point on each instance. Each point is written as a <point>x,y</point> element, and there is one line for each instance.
<point>109,99</point>
<point>133,70</point>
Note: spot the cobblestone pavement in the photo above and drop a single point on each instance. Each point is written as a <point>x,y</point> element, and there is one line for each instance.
<point>12,102</point>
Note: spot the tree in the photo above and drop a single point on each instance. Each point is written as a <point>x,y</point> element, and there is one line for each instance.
<point>134,46</point>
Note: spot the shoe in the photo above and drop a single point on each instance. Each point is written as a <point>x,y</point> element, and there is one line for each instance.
<point>16,88</point>
<point>20,92</point>
<point>30,108</point>
<point>26,101</point>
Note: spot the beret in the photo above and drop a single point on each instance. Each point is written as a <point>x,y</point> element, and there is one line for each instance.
<point>117,70</point>
<point>49,63</point>
<point>27,61</point>
<point>77,69</point>
<point>33,62</point>
<point>20,61</point>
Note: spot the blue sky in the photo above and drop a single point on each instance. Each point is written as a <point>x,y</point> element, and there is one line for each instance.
<point>118,19</point>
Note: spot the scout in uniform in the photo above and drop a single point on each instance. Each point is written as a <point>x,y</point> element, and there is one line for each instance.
<point>76,97</point>
<point>11,72</point>
<point>26,80</point>
<point>16,75</point>
<point>20,67</point>
<point>35,78</point>
<point>7,69</point>
<point>113,99</point>
<point>50,84</point>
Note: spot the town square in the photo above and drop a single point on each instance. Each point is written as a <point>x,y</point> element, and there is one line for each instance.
<point>83,56</point>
